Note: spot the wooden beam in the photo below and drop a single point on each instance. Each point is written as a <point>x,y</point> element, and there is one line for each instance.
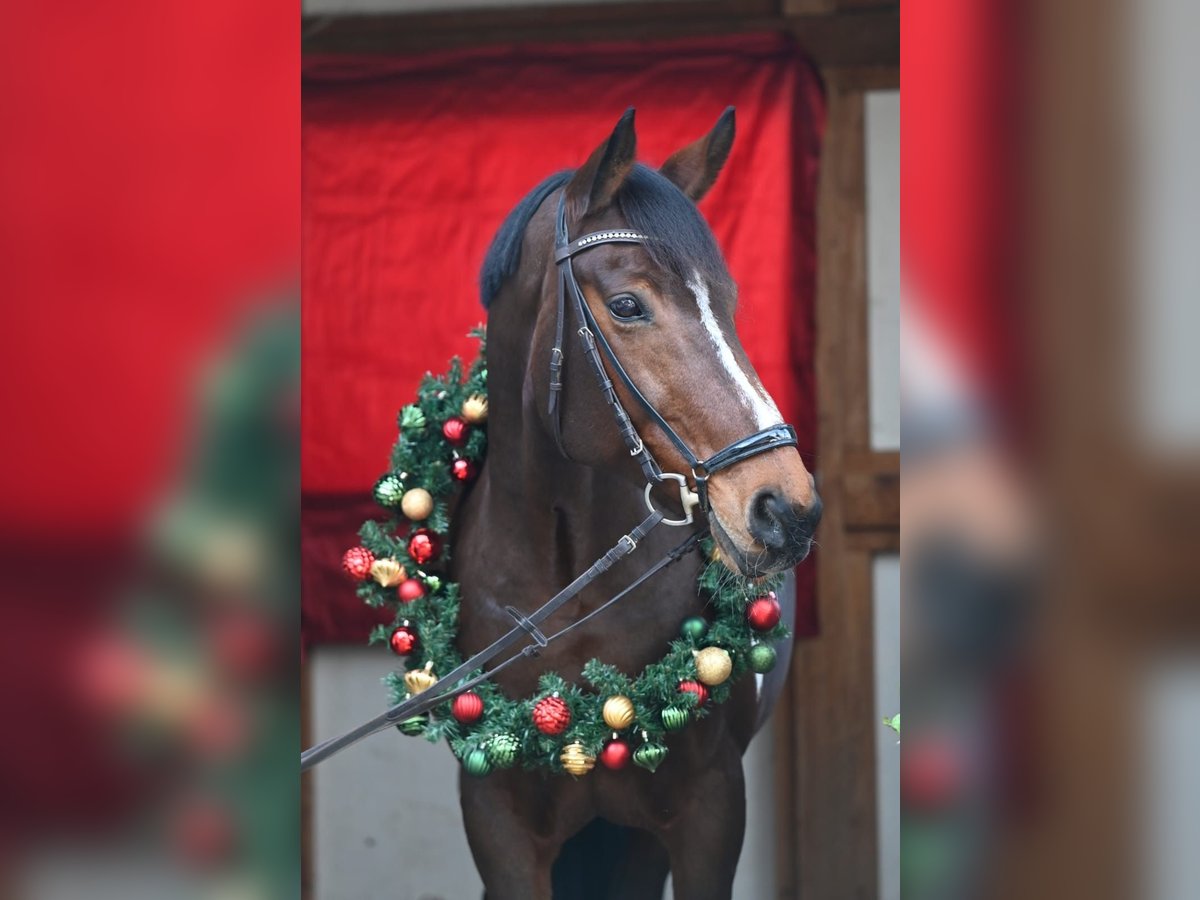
<point>856,38</point>
<point>832,811</point>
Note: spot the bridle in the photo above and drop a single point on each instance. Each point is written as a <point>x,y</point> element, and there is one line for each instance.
<point>594,342</point>
<point>468,674</point>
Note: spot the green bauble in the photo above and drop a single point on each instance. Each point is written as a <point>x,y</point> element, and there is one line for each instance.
<point>388,490</point>
<point>694,628</point>
<point>502,750</point>
<point>674,718</point>
<point>476,762</point>
<point>649,756</point>
<point>413,726</point>
<point>762,658</point>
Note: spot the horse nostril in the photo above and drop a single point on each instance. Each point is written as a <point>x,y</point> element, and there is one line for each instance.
<point>776,523</point>
<point>771,519</point>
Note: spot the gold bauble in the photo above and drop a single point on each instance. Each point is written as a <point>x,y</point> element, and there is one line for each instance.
<point>575,761</point>
<point>475,409</point>
<point>713,665</point>
<point>420,679</point>
<point>388,572</point>
<point>417,504</point>
<point>618,712</point>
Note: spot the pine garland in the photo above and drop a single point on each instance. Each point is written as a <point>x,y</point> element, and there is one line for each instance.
<point>423,457</point>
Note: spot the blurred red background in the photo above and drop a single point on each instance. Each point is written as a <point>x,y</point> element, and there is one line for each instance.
<point>411,164</point>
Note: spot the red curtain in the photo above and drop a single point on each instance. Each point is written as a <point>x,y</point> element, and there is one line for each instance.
<point>410,165</point>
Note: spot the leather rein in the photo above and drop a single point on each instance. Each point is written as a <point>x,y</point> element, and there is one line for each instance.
<point>462,679</point>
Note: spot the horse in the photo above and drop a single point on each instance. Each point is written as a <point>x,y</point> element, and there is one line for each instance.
<point>558,486</point>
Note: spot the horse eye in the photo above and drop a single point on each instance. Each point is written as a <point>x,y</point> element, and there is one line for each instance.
<point>625,306</point>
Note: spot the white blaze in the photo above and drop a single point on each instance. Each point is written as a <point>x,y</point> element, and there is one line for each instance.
<point>766,413</point>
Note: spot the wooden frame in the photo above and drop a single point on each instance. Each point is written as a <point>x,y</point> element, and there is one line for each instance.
<point>851,32</point>
<point>828,834</point>
<point>825,730</point>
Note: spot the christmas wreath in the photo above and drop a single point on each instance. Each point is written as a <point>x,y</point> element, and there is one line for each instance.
<point>564,726</point>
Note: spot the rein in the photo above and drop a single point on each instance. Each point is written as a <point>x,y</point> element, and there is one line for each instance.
<point>594,344</point>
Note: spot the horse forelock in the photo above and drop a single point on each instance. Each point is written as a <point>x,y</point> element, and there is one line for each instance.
<point>648,201</point>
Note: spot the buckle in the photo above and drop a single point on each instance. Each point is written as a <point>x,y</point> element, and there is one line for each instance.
<point>687,497</point>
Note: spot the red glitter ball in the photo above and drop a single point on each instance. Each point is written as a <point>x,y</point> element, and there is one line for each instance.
<point>462,469</point>
<point>357,562</point>
<point>551,715</point>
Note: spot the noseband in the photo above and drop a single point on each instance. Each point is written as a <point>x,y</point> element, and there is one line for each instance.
<point>594,342</point>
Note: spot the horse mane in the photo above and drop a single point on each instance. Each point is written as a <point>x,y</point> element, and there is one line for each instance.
<point>649,203</point>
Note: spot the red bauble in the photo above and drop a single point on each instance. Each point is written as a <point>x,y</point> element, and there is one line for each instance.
<point>551,715</point>
<point>454,430</point>
<point>467,708</point>
<point>763,614</point>
<point>462,469</point>
<point>615,755</point>
<point>409,590</point>
<point>695,687</point>
<point>403,640</point>
<point>424,545</point>
<point>357,562</point>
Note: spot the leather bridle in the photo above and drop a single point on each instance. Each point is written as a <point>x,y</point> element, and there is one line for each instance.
<point>470,673</point>
<point>594,343</point>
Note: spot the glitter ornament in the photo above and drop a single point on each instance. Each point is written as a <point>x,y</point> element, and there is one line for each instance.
<point>551,715</point>
<point>713,665</point>
<point>357,562</point>
<point>502,750</point>
<point>762,658</point>
<point>462,470</point>
<point>389,490</point>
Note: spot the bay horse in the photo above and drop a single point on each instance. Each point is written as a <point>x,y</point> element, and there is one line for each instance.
<point>552,496</point>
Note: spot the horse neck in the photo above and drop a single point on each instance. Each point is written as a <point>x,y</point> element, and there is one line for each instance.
<point>561,508</point>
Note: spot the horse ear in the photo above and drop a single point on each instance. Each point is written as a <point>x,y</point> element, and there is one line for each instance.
<point>694,169</point>
<point>594,185</point>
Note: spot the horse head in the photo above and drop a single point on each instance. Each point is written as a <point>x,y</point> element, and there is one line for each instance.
<point>665,307</point>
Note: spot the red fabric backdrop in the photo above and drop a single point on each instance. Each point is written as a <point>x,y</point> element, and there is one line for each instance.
<point>410,166</point>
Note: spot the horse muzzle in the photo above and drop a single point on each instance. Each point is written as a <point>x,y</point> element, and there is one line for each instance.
<point>777,533</point>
